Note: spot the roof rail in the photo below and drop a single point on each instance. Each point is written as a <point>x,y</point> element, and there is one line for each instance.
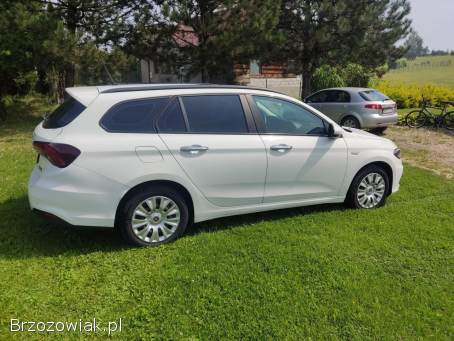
<point>119,88</point>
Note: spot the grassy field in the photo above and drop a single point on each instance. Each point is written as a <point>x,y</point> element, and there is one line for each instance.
<point>425,70</point>
<point>322,272</point>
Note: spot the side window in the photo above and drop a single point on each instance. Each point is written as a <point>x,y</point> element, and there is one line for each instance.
<point>338,96</point>
<point>283,117</point>
<point>134,116</point>
<point>343,97</point>
<point>64,114</point>
<point>215,114</point>
<point>319,97</point>
<point>172,120</point>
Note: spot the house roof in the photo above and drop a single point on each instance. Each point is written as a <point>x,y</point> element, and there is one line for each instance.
<point>185,36</point>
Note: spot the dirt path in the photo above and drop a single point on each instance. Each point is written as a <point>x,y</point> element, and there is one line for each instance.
<point>425,148</point>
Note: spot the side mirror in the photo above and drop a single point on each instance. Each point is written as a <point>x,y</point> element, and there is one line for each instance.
<point>334,131</point>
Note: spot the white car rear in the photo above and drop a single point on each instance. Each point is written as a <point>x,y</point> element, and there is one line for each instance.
<point>150,160</point>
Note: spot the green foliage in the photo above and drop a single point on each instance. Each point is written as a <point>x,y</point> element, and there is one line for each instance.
<point>326,77</point>
<point>414,46</point>
<point>330,77</point>
<point>355,75</point>
<point>330,32</point>
<point>411,96</point>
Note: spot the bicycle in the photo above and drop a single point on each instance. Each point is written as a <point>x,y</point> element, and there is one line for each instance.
<point>424,117</point>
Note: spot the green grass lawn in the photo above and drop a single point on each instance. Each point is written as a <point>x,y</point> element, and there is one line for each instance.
<point>321,272</point>
<point>415,73</point>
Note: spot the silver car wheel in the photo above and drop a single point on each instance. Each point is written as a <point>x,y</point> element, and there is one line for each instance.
<point>155,219</point>
<point>350,123</point>
<point>371,190</point>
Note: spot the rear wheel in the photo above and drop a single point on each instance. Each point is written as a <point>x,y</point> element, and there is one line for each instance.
<point>153,216</point>
<point>449,120</point>
<point>369,188</point>
<point>350,122</point>
<point>416,119</point>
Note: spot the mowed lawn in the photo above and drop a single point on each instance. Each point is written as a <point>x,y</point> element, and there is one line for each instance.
<point>439,70</point>
<point>321,272</point>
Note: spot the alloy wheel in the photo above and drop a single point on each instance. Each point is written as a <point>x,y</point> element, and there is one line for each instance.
<point>371,190</point>
<point>155,219</point>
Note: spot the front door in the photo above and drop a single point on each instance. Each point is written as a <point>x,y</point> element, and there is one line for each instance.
<point>303,162</point>
<point>217,151</point>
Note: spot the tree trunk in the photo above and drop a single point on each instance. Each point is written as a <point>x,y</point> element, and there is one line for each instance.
<point>307,82</point>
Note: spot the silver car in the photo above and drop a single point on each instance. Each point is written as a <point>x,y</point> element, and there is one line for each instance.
<point>361,108</point>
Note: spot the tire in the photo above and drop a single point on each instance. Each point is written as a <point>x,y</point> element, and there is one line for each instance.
<point>448,119</point>
<point>361,196</point>
<point>160,213</point>
<point>378,131</point>
<point>350,122</point>
<point>416,119</point>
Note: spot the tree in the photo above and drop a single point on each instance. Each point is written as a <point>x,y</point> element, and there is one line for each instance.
<point>335,32</point>
<point>220,33</point>
<point>414,46</point>
<point>88,20</point>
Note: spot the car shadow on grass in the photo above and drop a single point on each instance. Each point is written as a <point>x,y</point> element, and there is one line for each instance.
<point>24,234</point>
<point>253,218</point>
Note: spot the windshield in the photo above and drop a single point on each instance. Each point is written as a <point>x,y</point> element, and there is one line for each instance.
<point>64,114</point>
<point>373,95</point>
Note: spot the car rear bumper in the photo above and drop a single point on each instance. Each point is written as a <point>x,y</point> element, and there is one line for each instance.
<point>377,120</point>
<point>76,196</point>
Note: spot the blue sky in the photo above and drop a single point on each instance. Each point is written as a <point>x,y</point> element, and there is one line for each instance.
<point>434,21</point>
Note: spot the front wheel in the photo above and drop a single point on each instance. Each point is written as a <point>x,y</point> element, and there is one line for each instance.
<point>416,119</point>
<point>448,119</point>
<point>369,188</point>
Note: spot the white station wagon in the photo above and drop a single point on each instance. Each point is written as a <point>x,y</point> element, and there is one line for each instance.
<point>150,160</point>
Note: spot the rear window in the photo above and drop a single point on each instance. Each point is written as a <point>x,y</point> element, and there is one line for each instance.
<point>373,95</point>
<point>135,116</point>
<point>64,114</point>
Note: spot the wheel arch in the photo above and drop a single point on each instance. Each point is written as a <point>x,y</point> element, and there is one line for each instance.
<point>133,190</point>
<point>354,115</point>
<point>385,166</point>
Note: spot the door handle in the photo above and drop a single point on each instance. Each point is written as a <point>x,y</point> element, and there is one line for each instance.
<point>281,148</point>
<point>194,149</point>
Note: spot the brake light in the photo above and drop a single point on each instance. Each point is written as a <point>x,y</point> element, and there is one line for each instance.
<point>374,106</point>
<point>59,154</point>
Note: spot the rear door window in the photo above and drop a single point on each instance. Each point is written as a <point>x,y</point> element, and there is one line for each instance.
<point>136,116</point>
<point>64,114</point>
<point>215,114</point>
<point>171,120</point>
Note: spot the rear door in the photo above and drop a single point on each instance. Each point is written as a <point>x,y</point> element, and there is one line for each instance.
<point>337,104</point>
<point>217,147</point>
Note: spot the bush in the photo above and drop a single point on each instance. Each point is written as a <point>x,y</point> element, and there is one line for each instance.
<point>355,75</point>
<point>326,77</point>
<point>411,96</point>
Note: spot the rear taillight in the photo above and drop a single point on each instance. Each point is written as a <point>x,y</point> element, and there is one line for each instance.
<point>374,106</point>
<point>59,154</point>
